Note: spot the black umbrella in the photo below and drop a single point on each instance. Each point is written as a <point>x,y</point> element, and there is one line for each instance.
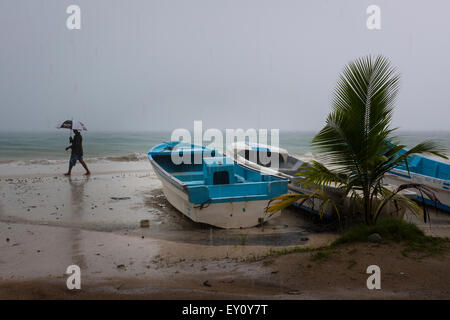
<point>72,125</point>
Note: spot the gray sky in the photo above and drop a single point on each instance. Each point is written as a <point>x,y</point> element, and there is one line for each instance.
<point>161,64</point>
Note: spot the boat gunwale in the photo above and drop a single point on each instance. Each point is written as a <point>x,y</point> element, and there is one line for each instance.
<point>276,173</point>
<point>410,173</point>
<point>176,182</point>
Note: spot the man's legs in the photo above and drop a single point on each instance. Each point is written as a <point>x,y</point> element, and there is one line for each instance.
<point>72,162</point>
<point>70,170</point>
<point>85,167</point>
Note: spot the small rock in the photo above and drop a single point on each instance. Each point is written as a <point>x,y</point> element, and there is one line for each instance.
<point>145,223</point>
<point>7,239</point>
<point>206,284</point>
<point>227,281</point>
<point>121,267</point>
<point>294,292</point>
<point>375,237</point>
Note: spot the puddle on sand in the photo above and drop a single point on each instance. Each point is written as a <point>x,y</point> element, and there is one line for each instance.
<point>118,202</point>
<point>167,223</point>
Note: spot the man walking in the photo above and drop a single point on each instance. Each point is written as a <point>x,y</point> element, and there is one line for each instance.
<point>77,152</point>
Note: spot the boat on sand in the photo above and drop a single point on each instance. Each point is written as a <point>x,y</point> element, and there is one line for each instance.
<point>290,167</point>
<point>255,155</point>
<point>427,171</point>
<point>211,188</point>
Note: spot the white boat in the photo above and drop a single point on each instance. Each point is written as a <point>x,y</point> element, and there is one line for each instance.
<point>288,166</point>
<point>249,154</point>
<point>216,190</point>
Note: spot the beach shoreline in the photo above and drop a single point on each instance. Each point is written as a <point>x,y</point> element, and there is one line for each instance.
<point>125,267</point>
<point>48,222</point>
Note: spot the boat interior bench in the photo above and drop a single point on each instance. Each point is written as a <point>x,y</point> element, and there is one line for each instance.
<point>217,171</point>
<point>189,177</point>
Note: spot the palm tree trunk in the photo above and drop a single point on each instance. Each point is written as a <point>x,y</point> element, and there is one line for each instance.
<point>367,205</point>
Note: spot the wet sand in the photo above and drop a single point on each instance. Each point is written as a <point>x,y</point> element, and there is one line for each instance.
<point>48,222</point>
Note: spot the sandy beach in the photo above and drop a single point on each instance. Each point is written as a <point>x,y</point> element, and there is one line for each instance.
<point>48,222</point>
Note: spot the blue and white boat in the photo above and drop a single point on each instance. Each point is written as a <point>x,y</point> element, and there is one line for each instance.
<point>210,188</point>
<point>430,172</point>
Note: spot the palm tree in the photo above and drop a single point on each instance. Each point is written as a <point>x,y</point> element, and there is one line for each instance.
<point>357,145</point>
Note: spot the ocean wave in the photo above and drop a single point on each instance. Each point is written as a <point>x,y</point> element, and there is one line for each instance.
<point>4,161</point>
<point>132,157</point>
<point>38,161</point>
<point>128,157</point>
<point>135,157</point>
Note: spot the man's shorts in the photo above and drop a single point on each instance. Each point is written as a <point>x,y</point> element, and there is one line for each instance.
<point>74,158</point>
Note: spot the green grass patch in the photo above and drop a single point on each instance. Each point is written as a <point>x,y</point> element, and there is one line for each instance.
<point>390,229</point>
<point>281,252</point>
<point>243,240</point>
<point>428,247</point>
<point>395,230</point>
<point>351,264</point>
<point>322,255</point>
<point>268,262</point>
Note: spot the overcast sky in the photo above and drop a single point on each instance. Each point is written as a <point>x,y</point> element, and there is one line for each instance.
<point>161,64</point>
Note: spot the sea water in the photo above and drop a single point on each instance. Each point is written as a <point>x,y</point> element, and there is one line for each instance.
<point>38,147</point>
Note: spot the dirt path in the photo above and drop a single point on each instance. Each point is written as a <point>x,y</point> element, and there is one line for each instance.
<point>341,275</point>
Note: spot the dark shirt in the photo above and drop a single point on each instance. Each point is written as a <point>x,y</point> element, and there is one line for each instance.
<point>77,145</point>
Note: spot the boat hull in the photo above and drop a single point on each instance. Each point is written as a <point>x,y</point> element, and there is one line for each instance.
<point>310,205</point>
<point>439,187</point>
<point>242,214</point>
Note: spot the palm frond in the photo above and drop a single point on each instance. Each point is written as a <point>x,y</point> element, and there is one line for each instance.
<point>284,201</point>
<point>318,174</point>
<point>357,145</point>
<point>362,111</point>
<point>396,197</point>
